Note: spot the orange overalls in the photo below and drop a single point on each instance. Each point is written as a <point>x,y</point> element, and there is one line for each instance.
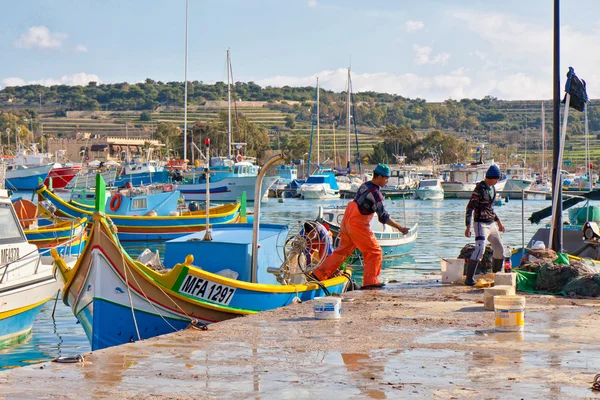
<point>355,231</point>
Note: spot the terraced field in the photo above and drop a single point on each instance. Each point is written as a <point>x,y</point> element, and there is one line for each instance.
<point>272,120</point>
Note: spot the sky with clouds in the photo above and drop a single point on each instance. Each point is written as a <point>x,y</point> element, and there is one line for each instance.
<point>432,49</point>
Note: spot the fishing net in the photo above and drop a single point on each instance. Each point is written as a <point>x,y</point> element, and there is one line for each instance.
<point>554,277</point>
<point>587,285</point>
<point>485,265</point>
<point>547,276</point>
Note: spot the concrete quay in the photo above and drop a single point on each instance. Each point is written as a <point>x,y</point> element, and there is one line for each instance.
<point>417,340</point>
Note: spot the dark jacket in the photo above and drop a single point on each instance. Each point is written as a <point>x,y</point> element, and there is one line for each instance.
<point>482,204</point>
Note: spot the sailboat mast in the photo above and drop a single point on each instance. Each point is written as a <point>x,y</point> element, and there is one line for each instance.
<point>334,147</point>
<point>318,127</point>
<point>228,105</point>
<point>543,140</point>
<point>185,87</point>
<point>525,158</point>
<point>348,123</point>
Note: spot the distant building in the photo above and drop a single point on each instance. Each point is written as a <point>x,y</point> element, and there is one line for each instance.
<point>85,147</point>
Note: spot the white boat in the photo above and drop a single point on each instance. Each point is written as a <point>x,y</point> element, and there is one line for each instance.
<point>430,189</point>
<point>320,186</point>
<point>27,278</point>
<point>518,179</point>
<point>227,181</point>
<point>403,178</point>
<point>460,178</point>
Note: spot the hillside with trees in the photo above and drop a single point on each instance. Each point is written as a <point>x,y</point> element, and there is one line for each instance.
<point>387,124</point>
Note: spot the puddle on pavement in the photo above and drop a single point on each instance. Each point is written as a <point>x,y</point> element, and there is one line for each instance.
<point>237,368</point>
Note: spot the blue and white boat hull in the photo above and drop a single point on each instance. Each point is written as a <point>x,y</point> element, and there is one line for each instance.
<point>27,178</point>
<point>226,189</point>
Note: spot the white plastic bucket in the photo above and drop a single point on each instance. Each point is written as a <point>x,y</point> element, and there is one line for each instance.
<point>329,307</point>
<point>452,269</point>
<point>510,313</point>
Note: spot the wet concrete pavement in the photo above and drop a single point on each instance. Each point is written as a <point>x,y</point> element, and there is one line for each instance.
<point>412,340</point>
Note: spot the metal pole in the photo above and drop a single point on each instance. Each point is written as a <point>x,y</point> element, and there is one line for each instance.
<point>185,85</point>
<point>318,128</point>
<point>256,225</point>
<point>556,241</point>
<point>523,221</point>
<point>207,235</point>
<point>588,170</point>
<point>229,105</point>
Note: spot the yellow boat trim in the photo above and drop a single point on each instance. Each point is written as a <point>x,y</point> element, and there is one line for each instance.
<point>168,280</point>
<point>216,212</point>
<point>21,310</point>
<point>60,226</point>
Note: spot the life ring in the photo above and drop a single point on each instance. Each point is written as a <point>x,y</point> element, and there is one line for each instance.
<point>115,202</point>
<point>239,158</point>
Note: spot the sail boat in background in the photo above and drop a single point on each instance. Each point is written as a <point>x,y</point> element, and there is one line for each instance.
<point>543,184</point>
<point>229,176</point>
<point>321,184</point>
<point>345,179</point>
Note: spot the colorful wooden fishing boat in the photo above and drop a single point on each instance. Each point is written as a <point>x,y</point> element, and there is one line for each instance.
<point>156,199</point>
<point>20,177</point>
<point>393,242</point>
<point>27,279</point>
<point>68,236</point>
<point>146,228</point>
<point>118,299</point>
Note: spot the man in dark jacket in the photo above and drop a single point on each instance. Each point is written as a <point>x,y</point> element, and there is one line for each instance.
<point>486,223</point>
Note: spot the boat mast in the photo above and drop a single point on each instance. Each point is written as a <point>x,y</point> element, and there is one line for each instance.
<point>318,127</point>
<point>348,123</point>
<point>543,140</point>
<point>335,161</point>
<point>228,104</point>
<point>185,86</point>
<point>557,239</point>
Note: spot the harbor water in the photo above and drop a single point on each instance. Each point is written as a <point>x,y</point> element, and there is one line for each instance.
<point>441,235</point>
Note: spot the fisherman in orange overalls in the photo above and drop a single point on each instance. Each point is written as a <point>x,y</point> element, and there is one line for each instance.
<point>355,231</point>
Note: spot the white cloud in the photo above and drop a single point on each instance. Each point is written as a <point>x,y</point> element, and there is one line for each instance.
<point>312,3</point>
<point>413,26</point>
<point>479,54</point>
<point>40,37</point>
<point>14,81</point>
<point>80,48</point>
<point>79,79</point>
<point>520,53</point>
<point>432,88</point>
<point>423,56</point>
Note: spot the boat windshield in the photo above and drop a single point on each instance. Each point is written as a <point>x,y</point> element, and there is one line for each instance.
<point>9,228</point>
<point>428,184</point>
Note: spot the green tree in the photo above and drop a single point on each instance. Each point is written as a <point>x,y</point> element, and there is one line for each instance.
<point>170,135</point>
<point>378,155</point>
<point>146,116</point>
<point>289,122</point>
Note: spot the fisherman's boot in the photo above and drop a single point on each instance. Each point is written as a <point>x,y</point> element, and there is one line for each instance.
<point>497,265</point>
<point>471,267</point>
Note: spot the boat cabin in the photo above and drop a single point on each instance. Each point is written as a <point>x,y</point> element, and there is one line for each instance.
<point>230,252</point>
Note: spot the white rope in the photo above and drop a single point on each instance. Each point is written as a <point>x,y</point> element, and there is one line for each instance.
<point>137,330</point>
<point>193,321</point>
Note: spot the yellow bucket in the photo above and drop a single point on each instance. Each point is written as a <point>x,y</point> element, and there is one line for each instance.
<point>510,313</point>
